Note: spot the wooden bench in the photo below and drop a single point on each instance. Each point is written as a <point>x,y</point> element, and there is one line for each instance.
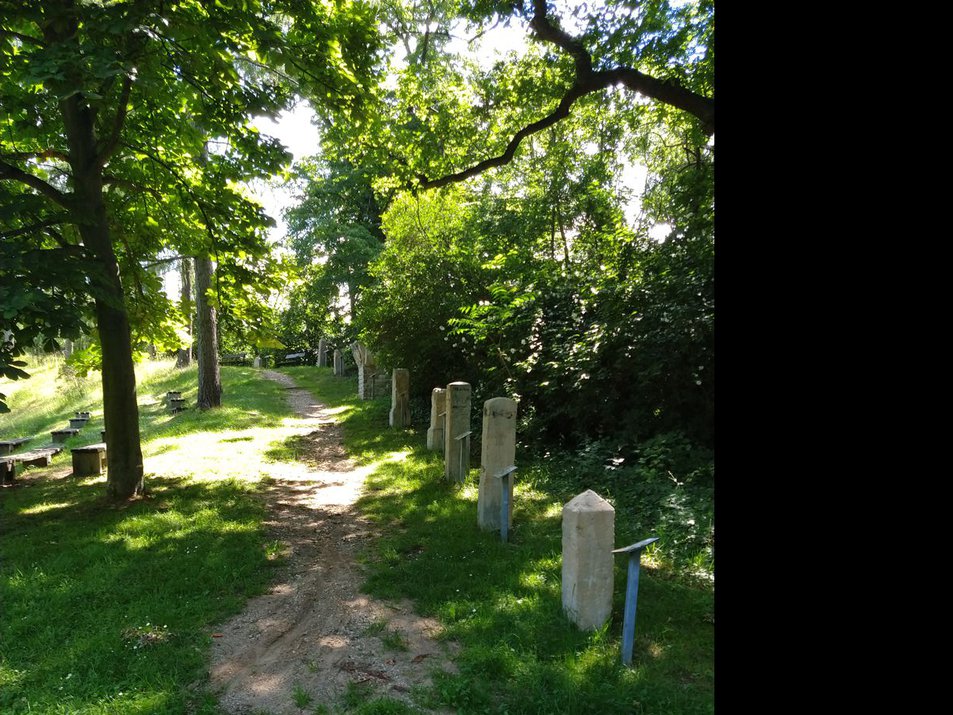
<point>61,435</point>
<point>8,445</point>
<point>292,359</point>
<point>234,359</point>
<point>176,405</point>
<point>83,415</point>
<point>34,458</point>
<point>89,459</point>
<point>78,422</point>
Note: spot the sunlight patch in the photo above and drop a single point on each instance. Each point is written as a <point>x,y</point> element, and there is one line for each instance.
<point>46,506</point>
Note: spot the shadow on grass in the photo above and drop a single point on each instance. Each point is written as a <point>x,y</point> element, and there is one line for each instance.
<point>84,582</point>
<point>503,602</point>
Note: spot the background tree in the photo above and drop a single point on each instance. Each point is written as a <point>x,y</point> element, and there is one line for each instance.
<point>210,380</point>
<point>105,110</point>
<point>534,277</point>
<point>183,357</point>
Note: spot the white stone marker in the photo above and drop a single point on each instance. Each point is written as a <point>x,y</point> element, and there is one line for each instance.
<point>257,361</point>
<point>498,453</point>
<point>457,451</point>
<point>400,398</point>
<point>588,540</point>
<point>438,405</point>
<point>322,353</point>
<point>338,363</point>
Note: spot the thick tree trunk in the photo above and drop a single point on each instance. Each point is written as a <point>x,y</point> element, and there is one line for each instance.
<point>210,382</point>
<point>121,411</point>
<point>184,356</point>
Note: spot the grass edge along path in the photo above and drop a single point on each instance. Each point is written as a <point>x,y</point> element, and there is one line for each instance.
<point>502,602</point>
<point>110,609</point>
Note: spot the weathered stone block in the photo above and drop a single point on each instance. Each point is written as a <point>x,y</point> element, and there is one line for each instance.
<point>588,540</point>
<point>457,424</point>
<point>438,405</point>
<point>366,370</point>
<point>498,452</point>
<point>61,435</point>
<point>257,361</point>
<point>88,460</point>
<point>400,398</point>
<point>322,352</point>
<point>338,363</point>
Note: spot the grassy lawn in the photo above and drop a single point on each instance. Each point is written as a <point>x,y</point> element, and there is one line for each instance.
<point>111,609</point>
<point>502,602</point>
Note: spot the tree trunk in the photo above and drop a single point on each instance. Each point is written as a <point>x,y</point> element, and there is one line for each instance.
<point>184,355</point>
<point>210,381</point>
<point>120,409</point>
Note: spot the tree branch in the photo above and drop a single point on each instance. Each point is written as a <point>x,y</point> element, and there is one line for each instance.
<point>32,227</point>
<point>548,31</point>
<point>8,171</point>
<point>45,154</point>
<point>561,112</point>
<point>111,144</point>
<point>131,185</point>
<point>160,261</point>
<point>587,81</point>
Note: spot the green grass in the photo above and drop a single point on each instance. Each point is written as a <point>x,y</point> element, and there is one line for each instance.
<point>111,609</point>
<point>301,697</point>
<point>502,602</point>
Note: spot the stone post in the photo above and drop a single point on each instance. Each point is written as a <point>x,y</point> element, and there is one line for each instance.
<point>438,405</point>
<point>322,353</point>
<point>588,540</point>
<point>256,362</point>
<point>400,398</point>
<point>338,363</point>
<point>365,370</point>
<point>498,453</point>
<point>456,446</point>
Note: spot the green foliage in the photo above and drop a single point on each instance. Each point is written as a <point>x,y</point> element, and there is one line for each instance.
<point>170,89</point>
<point>502,602</point>
<point>535,285</point>
<point>111,610</point>
<point>302,698</point>
<point>424,274</point>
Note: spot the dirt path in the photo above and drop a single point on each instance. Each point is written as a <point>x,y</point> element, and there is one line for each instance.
<point>314,632</point>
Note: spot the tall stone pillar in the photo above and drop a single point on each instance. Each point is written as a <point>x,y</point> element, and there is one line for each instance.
<point>400,398</point>
<point>322,353</point>
<point>438,405</point>
<point>588,540</point>
<point>338,363</point>
<point>498,452</point>
<point>366,368</point>
<point>457,451</point>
